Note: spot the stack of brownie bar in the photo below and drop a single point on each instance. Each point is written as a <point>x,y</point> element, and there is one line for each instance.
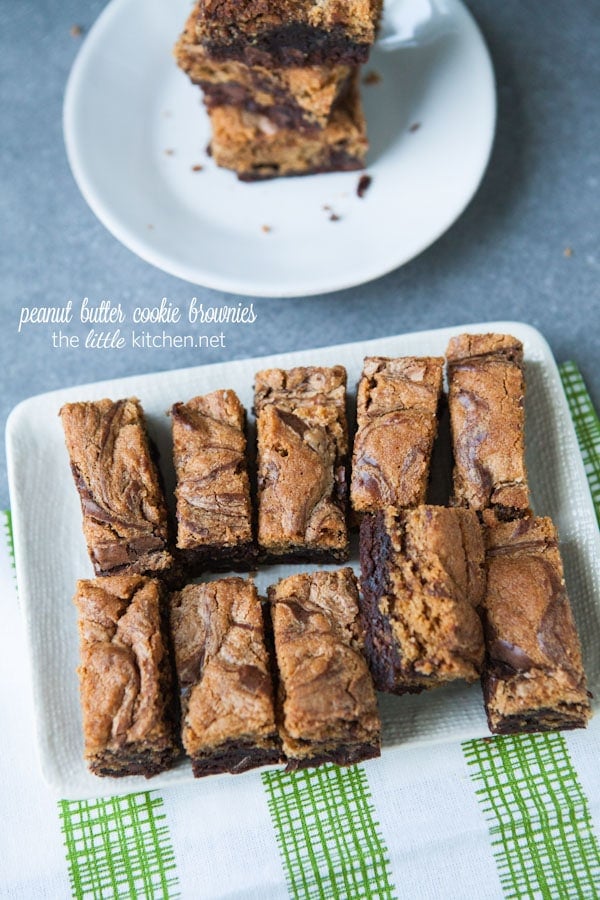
<point>280,82</point>
<point>474,589</point>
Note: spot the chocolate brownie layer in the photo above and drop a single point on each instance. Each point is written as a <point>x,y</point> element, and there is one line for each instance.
<point>422,577</point>
<point>486,391</point>
<point>533,677</point>
<point>235,756</point>
<point>291,45</point>
<point>326,708</point>
<point>124,511</point>
<point>125,677</point>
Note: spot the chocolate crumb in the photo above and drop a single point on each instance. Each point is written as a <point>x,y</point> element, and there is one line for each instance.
<point>414,127</point>
<point>208,150</point>
<point>371,78</point>
<point>197,168</point>
<point>568,252</point>
<point>266,228</point>
<point>76,31</point>
<point>169,152</point>
<point>150,227</point>
<point>364,183</point>
<point>333,217</point>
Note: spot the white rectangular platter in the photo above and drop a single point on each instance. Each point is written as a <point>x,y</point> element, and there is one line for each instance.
<point>51,554</point>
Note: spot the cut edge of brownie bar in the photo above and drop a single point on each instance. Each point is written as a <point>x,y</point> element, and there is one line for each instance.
<point>148,761</point>
<point>234,83</point>
<point>348,754</point>
<point>218,558</point>
<point>565,717</point>
<point>380,647</point>
<point>339,161</point>
<point>397,592</point>
<point>242,143</point>
<point>303,553</point>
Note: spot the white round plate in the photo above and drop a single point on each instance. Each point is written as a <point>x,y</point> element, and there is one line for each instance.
<point>135,128</point>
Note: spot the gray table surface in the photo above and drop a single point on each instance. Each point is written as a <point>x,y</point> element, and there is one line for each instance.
<point>504,258</point>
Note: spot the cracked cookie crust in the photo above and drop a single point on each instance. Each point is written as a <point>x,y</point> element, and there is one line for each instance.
<point>422,579</point>
<point>326,706</point>
<point>486,391</point>
<point>533,677</point>
<point>125,676</point>
<point>214,511</point>
<point>397,405</point>
<point>124,511</point>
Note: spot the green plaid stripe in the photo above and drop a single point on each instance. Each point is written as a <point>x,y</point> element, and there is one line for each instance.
<point>119,847</point>
<point>538,815</point>
<point>329,841</point>
<point>9,539</point>
<point>587,426</point>
<point>540,825</point>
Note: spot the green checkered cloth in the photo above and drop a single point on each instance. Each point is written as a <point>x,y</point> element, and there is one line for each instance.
<point>587,426</point>
<point>119,847</point>
<point>329,840</point>
<point>325,822</point>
